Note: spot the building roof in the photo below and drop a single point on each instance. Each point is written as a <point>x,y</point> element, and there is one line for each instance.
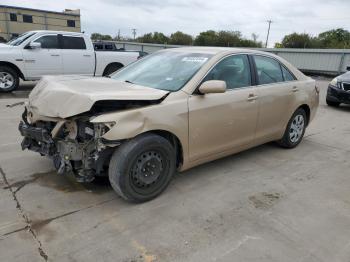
<point>38,10</point>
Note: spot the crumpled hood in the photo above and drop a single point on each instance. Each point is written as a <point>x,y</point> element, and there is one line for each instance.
<point>65,96</point>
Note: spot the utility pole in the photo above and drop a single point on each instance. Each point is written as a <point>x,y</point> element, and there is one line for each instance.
<point>134,32</point>
<point>118,36</point>
<point>268,32</point>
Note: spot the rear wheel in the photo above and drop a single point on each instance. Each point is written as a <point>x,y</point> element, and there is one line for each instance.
<point>331,103</point>
<point>295,129</point>
<point>142,168</point>
<point>9,79</point>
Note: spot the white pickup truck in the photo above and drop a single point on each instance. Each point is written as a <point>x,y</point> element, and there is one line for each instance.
<point>37,53</point>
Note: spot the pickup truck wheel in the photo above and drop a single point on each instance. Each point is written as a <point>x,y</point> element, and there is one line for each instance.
<point>295,130</point>
<point>142,168</point>
<point>9,79</point>
<point>111,69</point>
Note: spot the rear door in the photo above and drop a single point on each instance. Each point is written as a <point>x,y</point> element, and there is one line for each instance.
<point>76,57</point>
<point>225,121</point>
<point>276,90</point>
<point>46,60</point>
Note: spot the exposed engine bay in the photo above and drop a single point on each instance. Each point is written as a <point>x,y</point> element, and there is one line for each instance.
<point>75,144</point>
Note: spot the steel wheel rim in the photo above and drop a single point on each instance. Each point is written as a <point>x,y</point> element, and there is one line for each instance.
<point>148,172</point>
<point>296,128</point>
<point>6,80</point>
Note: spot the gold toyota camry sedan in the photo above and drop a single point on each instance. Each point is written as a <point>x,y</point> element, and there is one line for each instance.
<point>172,110</point>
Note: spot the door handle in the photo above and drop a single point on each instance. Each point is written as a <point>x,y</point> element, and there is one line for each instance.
<point>295,89</point>
<point>252,97</point>
<point>87,55</point>
<point>55,55</point>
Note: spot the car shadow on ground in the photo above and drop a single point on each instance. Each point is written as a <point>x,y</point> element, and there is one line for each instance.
<point>342,107</point>
<point>101,185</point>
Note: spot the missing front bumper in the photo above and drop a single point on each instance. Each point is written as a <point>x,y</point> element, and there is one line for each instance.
<point>84,159</point>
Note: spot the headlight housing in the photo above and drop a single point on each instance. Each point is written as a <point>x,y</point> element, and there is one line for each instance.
<point>102,128</point>
<point>334,82</point>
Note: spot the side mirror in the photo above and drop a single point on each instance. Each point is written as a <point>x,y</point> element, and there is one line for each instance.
<point>348,68</point>
<point>34,45</point>
<point>212,87</point>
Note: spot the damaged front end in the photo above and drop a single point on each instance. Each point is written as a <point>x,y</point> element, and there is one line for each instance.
<point>74,144</point>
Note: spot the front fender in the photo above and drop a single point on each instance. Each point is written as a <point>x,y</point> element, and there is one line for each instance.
<point>170,116</point>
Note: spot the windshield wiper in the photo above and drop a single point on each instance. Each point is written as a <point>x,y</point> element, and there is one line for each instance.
<point>127,81</point>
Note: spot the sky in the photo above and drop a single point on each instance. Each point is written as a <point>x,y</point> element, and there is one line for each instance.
<point>194,16</point>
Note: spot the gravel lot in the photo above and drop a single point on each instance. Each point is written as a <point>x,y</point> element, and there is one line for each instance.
<point>265,204</point>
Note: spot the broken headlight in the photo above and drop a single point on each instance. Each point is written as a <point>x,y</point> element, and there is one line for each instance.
<point>102,128</point>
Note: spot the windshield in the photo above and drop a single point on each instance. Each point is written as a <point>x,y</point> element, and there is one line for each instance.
<point>164,70</point>
<point>20,39</point>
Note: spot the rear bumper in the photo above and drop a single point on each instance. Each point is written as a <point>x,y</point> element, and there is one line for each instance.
<point>338,95</point>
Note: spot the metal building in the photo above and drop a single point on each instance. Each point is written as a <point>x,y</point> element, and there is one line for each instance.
<point>17,20</point>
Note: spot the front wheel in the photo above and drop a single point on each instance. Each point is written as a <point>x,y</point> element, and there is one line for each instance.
<point>9,79</point>
<point>142,168</point>
<point>295,130</point>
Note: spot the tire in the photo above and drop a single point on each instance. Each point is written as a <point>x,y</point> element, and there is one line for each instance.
<point>110,69</point>
<point>332,104</point>
<point>9,79</point>
<point>297,123</point>
<point>142,168</point>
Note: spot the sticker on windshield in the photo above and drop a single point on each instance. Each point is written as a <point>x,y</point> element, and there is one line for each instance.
<point>195,59</point>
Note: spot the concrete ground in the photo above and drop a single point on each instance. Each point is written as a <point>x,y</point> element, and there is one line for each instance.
<point>265,204</point>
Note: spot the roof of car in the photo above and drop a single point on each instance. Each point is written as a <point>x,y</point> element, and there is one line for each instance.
<point>213,50</point>
<point>56,32</point>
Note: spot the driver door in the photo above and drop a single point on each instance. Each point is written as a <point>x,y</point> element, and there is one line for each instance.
<point>46,60</point>
<point>221,123</point>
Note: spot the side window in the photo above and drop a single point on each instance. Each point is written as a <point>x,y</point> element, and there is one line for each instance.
<point>71,23</point>
<point>13,17</point>
<point>73,42</point>
<point>234,70</point>
<point>98,46</point>
<point>287,75</point>
<point>27,19</point>
<point>48,41</point>
<point>109,47</point>
<point>268,69</point>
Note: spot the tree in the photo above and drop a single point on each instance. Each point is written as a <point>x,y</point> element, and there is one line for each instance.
<point>336,38</point>
<point>207,38</point>
<point>255,37</point>
<point>180,38</point>
<point>278,45</point>
<point>155,38</point>
<point>224,38</point>
<point>97,36</point>
<point>229,38</point>
<point>296,40</point>
<point>160,38</point>
<point>249,43</point>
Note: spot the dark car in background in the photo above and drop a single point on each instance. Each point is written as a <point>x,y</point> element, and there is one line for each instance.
<point>111,46</point>
<point>339,90</point>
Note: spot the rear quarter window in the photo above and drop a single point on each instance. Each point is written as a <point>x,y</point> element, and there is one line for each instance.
<point>268,70</point>
<point>73,42</point>
<point>287,75</point>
